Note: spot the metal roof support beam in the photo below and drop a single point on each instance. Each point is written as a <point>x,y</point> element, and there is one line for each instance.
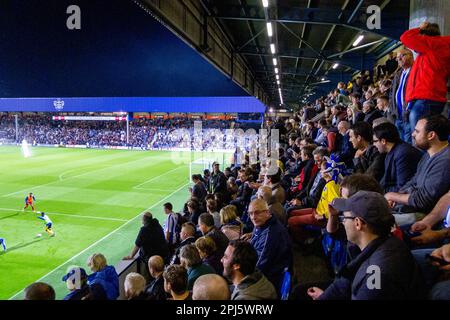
<point>327,17</point>
<point>305,42</point>
<point>250,40</point>
<point>303,34</point>
<point>355,49</point>
<point>358,6</point>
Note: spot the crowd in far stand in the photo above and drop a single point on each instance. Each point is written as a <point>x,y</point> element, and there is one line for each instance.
<point>39,129</point>
<point>363,175</point>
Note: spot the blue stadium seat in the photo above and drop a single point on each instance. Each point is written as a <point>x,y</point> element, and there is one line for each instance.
<point>286,285</point>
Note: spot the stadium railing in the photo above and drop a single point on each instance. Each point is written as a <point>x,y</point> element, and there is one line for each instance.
<point>123,268</point>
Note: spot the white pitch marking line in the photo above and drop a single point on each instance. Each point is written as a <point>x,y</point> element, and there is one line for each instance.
<point>152,189</point>
<point>154,178</point>
<point>69,215</point>
<point>79,175</point>
<point>109,234</point>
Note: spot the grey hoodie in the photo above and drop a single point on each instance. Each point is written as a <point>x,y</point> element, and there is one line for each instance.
<point>254,287</point>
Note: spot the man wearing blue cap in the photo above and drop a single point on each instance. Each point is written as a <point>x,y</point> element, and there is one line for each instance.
<point>385,268</point>
<point>76,281</point>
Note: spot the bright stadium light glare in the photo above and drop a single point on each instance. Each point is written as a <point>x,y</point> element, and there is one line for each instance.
<point>26,149</point>
<point>276,70</point>
<point>278,82</point>
<point>335,65</point>
<point>265,3</point>
<point>271,110</point>
<point>272,48</point>
<point>275,62</point>
<point>269,29</point>
<point>278,77</point>
<point>358,40</point>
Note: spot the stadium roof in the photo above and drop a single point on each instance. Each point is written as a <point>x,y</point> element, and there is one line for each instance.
<point>127,104</point>
<point>309,37</point>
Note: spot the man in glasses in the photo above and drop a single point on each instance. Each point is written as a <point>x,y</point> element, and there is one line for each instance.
<point>385,268</point>
<point>271,241</point>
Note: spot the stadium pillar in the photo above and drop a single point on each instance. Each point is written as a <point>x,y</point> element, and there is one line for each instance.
<point>128,130</point>
<point>435,11</point>
<point>16,118</point>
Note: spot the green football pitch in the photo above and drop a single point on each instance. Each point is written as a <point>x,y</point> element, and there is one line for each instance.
<point>95,199</point>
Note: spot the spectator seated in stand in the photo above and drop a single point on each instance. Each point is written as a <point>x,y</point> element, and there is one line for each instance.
<point>309,170</point>
<point>176,282</point>
<point>208,253</point>
<point>39,291</point>
<point>210,287</point>
<point>239,266</point>
<point>134,287</point>
<point>79,288</point>
<point>231,226</point>
<point>367,158</point>
<point>275,208</point>
<point>187,236</point>
<point>401,160</point>
<point>271,241</point>
<point>104,275</point>
<point>432,179</point>
<point>368,222</point>
<point>317,216</point>
<point>155,289</point>
<point>310,196</point>
<point>191,260</point>
<point>206,226</point>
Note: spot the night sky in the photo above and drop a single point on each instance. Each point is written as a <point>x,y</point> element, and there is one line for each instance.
<point>119,51</point>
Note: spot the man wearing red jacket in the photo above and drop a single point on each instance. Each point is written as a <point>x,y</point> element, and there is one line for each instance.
<point>426,89</point>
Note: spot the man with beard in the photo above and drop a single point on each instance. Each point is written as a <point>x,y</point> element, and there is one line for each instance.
<point>239,266</point>
<point>432,179</point>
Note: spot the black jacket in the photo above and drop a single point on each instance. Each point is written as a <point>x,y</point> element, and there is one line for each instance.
<point>155,289</point>
<point>199,191</point>
<point>218,183</point>
<point>372,115</point>
<point>220,239</point>
<point>176,256</point>
<point>151,241</point>
<point>371,162</point>
<point>400,165</point>
<point>345,150</point>
<point>311,195</point>
<point>399,275</point>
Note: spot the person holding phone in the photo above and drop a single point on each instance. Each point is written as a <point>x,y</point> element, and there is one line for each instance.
<point>440,259</point>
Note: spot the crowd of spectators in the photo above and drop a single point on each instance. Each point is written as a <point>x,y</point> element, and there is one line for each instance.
<point>40,129</point>
<point>347,178</point>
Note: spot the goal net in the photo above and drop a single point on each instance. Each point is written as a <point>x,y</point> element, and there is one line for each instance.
<point>202,160</point>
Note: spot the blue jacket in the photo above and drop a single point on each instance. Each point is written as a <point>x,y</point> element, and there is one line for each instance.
<point>108,279</point>
<point>399,275</point>
<point>273,245</point>
<point>345,151</point>
<point>400,165</point>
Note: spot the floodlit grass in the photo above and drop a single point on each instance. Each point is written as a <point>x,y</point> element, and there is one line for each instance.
<point>93,197</point>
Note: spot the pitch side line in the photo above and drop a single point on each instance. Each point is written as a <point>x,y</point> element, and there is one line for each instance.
<point>109,234</point>
<point>154,178</point>
<point>68,215</point>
